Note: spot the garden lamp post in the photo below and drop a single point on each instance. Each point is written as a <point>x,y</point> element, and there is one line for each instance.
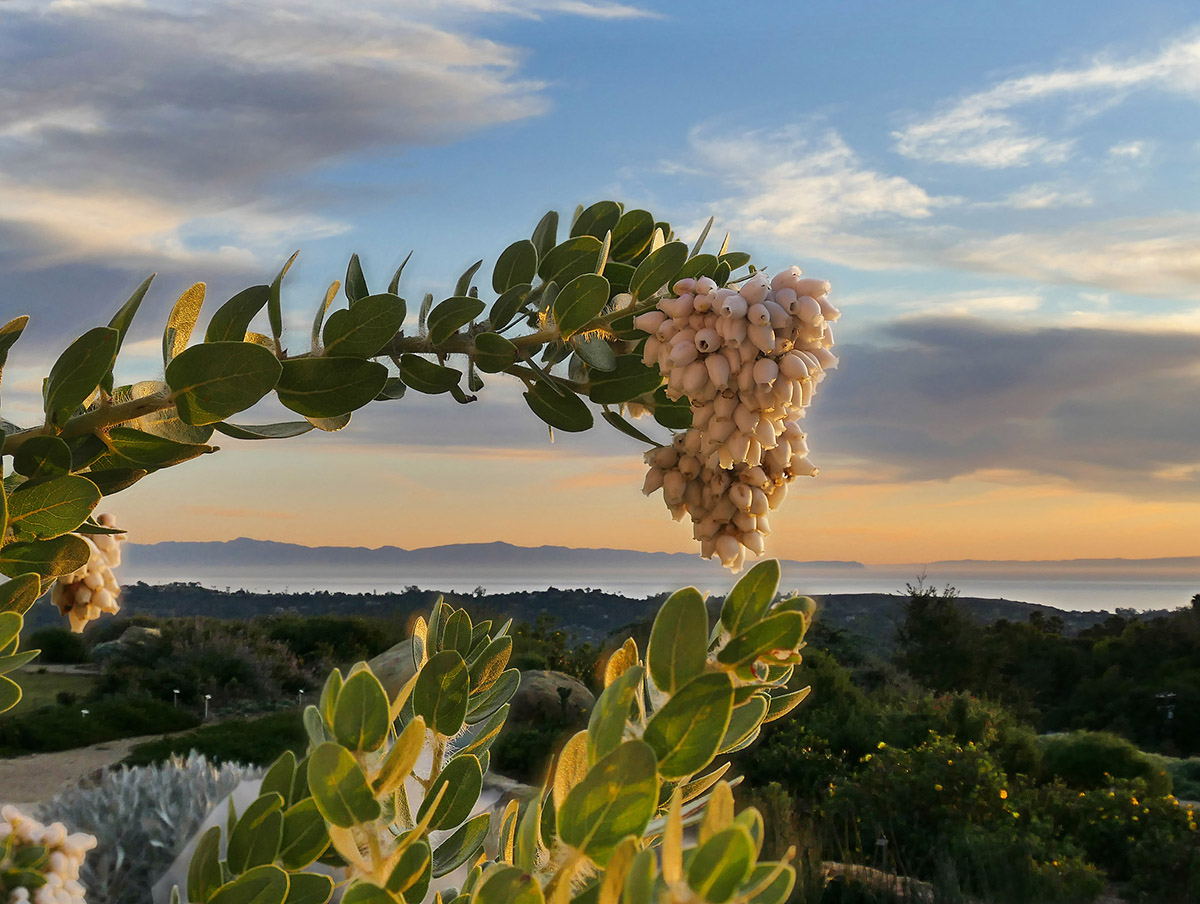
<point>175,697</point>
<point>300,697</point>
<point>207,697</point>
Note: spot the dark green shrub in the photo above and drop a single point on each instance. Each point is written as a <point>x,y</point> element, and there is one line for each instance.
<point>1092,759</point>
<point>58,646</point>
<point>334,639</point>
<point>256,741</point>
<point>108,718</point>
<point>1185,778</point>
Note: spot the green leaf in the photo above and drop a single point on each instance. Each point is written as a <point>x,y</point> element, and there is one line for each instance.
<point>14,662</point>
<point>617,797</point>
<point>366,328</point>
<point>545,235</point>
<point>360,717</point>
<point>632,234</point>
<point>309,888</point>
<point>393,389</point>
<point>182,321</point>
<point>255,838</point>
<point>332,424</point>
<point>486,670</point>
<point>319,317</point>
<point>782,704</point>
<point>491,700</point>
<point>597,220</point>
<point>304,835</point>
<point>138,448</point>
<point>721,865</point>
<point>698,266</point>
<point>629,379</point>
<point>274,307</point>
<point>52,507</point>
<point>678,640</point>
<point>265,431</point>
<point>596,353</point>
<point>516,265</point>
<point>411,874</point>
<point>493,353</point>
<point>120,322</point>
<point>735,259</point>
<point>425,376</point>
<point>687,731</point>
<point>440,694</point>
<point>204,872</point>
<point>574,257</point>
<point>47,558</point>
<point>508,885</point>
<point>580,302</point>
<point>355,284</point>
<point>394,285</point>
<point>463,780</point>
<point>674,415</point>
<point>627,428</point>
<point>505,308</point>
<point>744,721</point>
<point>18,594</point>
<point>751,597</point>
<point>451,314</point>
<point>639,884</point>
<point>10,627</point>
<point>606,726</point>
<point>113,480</point>
<point>279,777</point>
<point>261,885</point>
<point>42,456</point>
<point>457,633</point>
<point>462,846</point>
<point>777,891</point>
<point>328,387</point>
<point>212,381</point>
<point>10,694</point>
<point>658,269</point>
<point>78,371</point>
<point>782,631</point>
<point>562,409</point>
<point>9,334</point>
<point>339,786</point>
<point>463,286</point>
<point>232,319</point>
<point>364,892</point>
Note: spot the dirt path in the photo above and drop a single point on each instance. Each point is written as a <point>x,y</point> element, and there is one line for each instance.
<point>28,780</point>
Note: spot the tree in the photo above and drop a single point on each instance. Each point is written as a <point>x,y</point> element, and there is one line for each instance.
<point>937,643</point>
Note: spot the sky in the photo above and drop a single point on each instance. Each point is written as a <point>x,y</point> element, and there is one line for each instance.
<point>1005,196</point>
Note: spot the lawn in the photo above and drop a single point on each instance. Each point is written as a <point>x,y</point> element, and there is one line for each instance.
<point>42,689</point>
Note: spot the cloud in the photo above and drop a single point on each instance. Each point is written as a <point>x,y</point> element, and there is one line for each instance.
<point>944,398</point>
<point>991,128</point>
<point>1046,196</point>
<point>158,129</point>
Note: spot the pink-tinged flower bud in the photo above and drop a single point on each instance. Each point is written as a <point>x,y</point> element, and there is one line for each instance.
<point>687,284</point>
<point>734,307</point>
<point>708,546</point>
<point>780,318</point>
<point>793,367</point>
<point>754,542</point>
<point>783,344</point>
<point>827,359</point>
<point>698,322</point>
<point>726,404</point>
<point>695,378</point>
<point>691,443</point>
<point>727,548</point>
<point>707,340</point>
<point>758,502</point>
<point>666,330</point>
<point>785,297</point>
<point>650,351</point>
<point>755,288</point>
<point>738,445</point>
<point>806,309</point>
<point>677,511</point>
<point>743,520</point>
<point>827,337</point>
<point>758,313</point>
<point>810,286</point>
<point>806,392</point>
<point>677,308</point>
<point>766,372</point>
<point>721,429</point>
<point>784,392</point>
<point>665,457</point>
<point>693,493</point>
<point>702,416</point>
<point>725,455</point>
<point>704,285</point>
<point>802,467</point>
<point>745,381</point>
<point>754,477</point>
<point>702,303</point>
<point>747,354</point>
<point>765,434</point>
<point>785,278</point>
<point>778,496</point>
<point>762,336</point>
<point>746,418</point>
<point>754,451</point>
<point>674,485</point>
<point>650,321</point>
<point>828,311</point>
<point>718,370</point>
<point>653,481</point>
<point>683,352</point>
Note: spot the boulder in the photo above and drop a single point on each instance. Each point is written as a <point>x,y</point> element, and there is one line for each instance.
<point>393,667</point>
<point>550,696</point>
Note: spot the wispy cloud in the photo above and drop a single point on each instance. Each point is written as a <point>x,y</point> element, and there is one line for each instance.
<point>993,128</point>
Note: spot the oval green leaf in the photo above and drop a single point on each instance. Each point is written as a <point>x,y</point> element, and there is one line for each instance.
<point>678,640</point>
<point>579,303</point>
<point>49,508</point>
<point>686,733</point>
<point>364,329</point>
<point>213,381</point>
<point>328,387</point>
<point>658,269</point>
<point>559,408</point>
<point>617,797</point>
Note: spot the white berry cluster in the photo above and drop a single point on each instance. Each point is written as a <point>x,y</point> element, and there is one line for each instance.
<point>748,359</point>
<point>85,594</point>
<point>59,867</point>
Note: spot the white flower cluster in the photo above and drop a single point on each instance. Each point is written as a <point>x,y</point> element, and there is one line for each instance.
<point>748,359</point>
<point>84,594</point>
<point>64,856</point>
